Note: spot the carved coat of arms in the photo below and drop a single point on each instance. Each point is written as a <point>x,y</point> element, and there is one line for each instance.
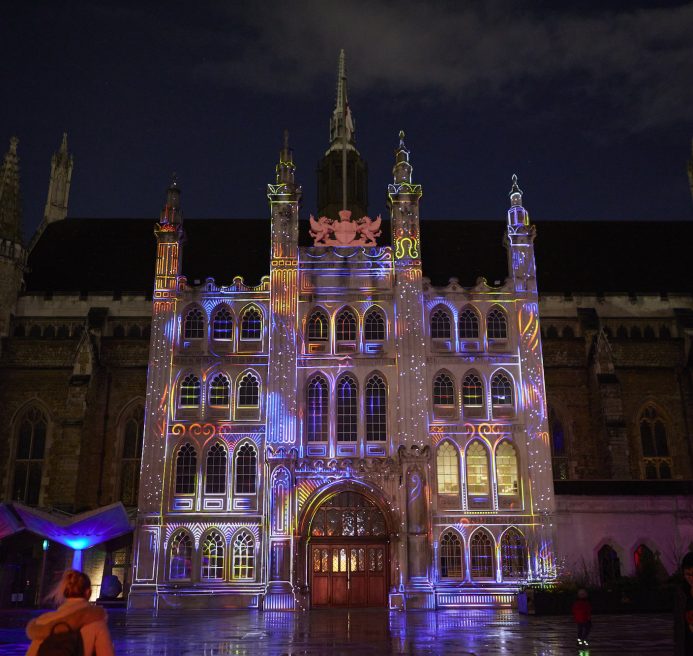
<point>345,231</point>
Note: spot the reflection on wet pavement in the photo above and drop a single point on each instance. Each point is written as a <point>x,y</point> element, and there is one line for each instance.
<point>363,632</point>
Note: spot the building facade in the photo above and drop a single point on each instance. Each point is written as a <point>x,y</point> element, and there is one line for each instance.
<point>345,425</point>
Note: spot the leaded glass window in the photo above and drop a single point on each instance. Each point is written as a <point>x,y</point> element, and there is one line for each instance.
<point>190,392</point>
<point>222,325</point>
<point>215,479</point>
<point>609,565</point>
<point>186,469</point>
<point>348,514</point>
<point>477,470</point>
<point>246,469</point>
<point>374,325</point>
<point>133,434</point>
<point>219,391</point>
<point>180,560</point>
<point>213,557</point>
<point>194,325</point>
<point>447,467</point>
<point>656,461</point>
<point>249,392</point>
<point>513,554</point>
<point>317,410</point>
<point>497,324</point>
<point>347,409</point>
<point>451,556</point>
<point>318,327</point>
<point>251,324</point>
<point>468,324</point>
<point>481,555</point>
<point>243,567</point>
<point>441,327</point>
<point>501,390</point>
<point>472,391</point>
<point>443,390</point>
<point>29,455</point>
<point>506,470</point>
<point>345,326</point>
<point>376,409</point>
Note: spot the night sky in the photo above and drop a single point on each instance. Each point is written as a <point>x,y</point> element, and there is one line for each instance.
<point>591,107</point>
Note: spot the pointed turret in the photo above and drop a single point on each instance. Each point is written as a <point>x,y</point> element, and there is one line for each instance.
<point>169,237</point>
<point>334,192</point>
<point>519,242</point>
<point>59,184</point>
<point>10,196</point>
<point>171,213</point>
<point>517,215</point>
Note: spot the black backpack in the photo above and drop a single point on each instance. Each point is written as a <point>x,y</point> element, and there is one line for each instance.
<point>63,643</point>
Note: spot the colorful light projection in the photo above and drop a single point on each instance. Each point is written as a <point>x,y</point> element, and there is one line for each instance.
<point>80,531</point>
<point>9,523</point>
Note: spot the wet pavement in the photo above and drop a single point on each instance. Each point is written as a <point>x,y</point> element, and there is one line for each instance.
<point>364,633</point>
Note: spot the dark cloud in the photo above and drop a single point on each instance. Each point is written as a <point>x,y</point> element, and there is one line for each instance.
<point>640,60</point>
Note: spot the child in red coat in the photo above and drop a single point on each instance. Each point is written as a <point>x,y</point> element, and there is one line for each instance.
<point>582,614</point>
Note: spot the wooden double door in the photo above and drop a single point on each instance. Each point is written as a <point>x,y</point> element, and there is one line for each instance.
<point>348,575</point>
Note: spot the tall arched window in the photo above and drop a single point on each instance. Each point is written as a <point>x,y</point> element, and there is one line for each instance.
<point>246,469</point>
<point>133,434</point>
<point>656,461</point>
<point>468,324</point>
<point>374,325</point>
<point>345,326</point>
<point>645,561</point>
<point>506,474</point>
<point>481,555</point>
<point>194,324</point>
<point>448,469</point>
<point>451,556</point>
<point>318,327</point>
<point>29,455</point>
<point>249,392</point>
<point>497,324</point>
<point>477,470</point>
<point>190,392</point>
<point>215,475</point>
<point>213,557</point>
<point>243,566</point>
<point>186,469</point>
<point>513,554</point>
<point>222,325</point>
<point>472,391</point>
<point>251,324</point>
<point>317,410</point>
<point>441,326</point>
<point>219,391</point>
<point>609,565</point>
<point>347,409</point>
<point>443,390</point>
<point>180,558</point>
<point>376,409</point>
<point>559,452</point>
<point>501,391</point>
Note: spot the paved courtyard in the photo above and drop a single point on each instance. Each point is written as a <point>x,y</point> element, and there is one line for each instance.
<point>364,632</point>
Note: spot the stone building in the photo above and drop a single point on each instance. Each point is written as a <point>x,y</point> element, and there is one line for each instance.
<point>342,422</point>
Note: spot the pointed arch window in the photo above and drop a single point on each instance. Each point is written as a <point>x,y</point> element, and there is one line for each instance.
<point>249,391</point>
<point>609,565</point>
<point>441,326</point>
<point>481,555</point>
<point>318,327</point>
<point>29,455</point>
<point>190,392</point>
<point>501,390</point>
<point>213,557</point>
<point>317,410</point>
<point>472,391</point>
<point>219,391</point>
<point>513,554</point>
<point>246,469</point>
<point>222,325</point>
<point>345,326</point>
<point>215,478</point>
<point>374,325</point>
<point>451,562</point>
<point>477,470</point>
<point>347,409</point>
<point>448,469</point>
<point>194,324</point>
<point>497,324</point>
<point>243,566</point>
<point>559,453</point>
<point>645,561</point>
<point>133,434</point>
<point>506,473</point>
<point>186,469</point>
<point>656,460</point>
<point>468,324</point>
<point>376,409</point>
<point>180,559</point>
<point>251,324</point>
<point>443,391</point>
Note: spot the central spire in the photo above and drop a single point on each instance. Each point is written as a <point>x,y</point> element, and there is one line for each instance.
<point>341,122</point>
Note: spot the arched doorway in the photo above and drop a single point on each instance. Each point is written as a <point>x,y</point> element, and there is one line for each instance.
<point>348,553</point>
